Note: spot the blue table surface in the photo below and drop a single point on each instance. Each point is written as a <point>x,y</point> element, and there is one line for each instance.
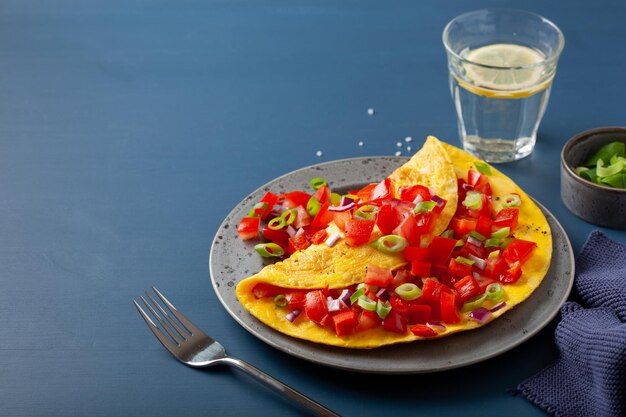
<point>129,130</point>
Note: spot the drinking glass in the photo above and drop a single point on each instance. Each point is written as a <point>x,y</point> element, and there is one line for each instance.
<point>501,64</point>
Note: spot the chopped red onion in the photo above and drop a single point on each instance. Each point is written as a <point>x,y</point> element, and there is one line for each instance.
<point>343,207</point>
<point>418,199</point>
<point>299,232</point>
<point>333,239</point>
<point>480,315</point>
<point>437,326</point>
<point>474,241</point>
<point>334,304</point>
<point>291,231</point>
<point>382,294</point>
<point>345,296</point>
<point>477,276</point>
<point>467,187</point>
<point>497,306</point>
<point>438,200</point>
<point>478,262</point>
<point>293,314</point>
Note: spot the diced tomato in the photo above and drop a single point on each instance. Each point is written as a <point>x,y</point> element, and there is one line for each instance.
<point>296,198</point>
<point>279,236</point>
<point>345,321</point>
<point>319,237</point>
<point>484,282</point>
<point>365,192</point>
<point>378,276</point>
<point>315,306</point>
<point>519,250</point>
<point>401,276</point>
<point>295,299</point>
<point>271,199</point>
<point>476,179</point>
<point>394,322</point>
<point>358,231</point>
<point>483,226</point>
<point>323,216</point>
<point>302,218</point>
<point>462,225</point>
<point>512,274</point>
<point>340,218</point>
<point>422,330</point>
<point>410,193</point>
<point>485,189</point>
<point>440,249</point>
<point>449,312</point>
<point>297,243</point>
<point>263,289</point>
<point>418,313</point>
<point>420,268</point>
<point>415,253</point>
<point>507,217</point>
<point>382,190</point>
<point>387,219</point>
<point>431,292</point>
<point>458,269</point>
<point>467,288</point>
<point>495,267</point>
<point>409,230</point>
<point>398,304</point>
<point>368,320</point>
<point>248,228</point>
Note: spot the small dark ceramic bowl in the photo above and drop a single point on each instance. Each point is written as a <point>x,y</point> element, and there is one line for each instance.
<point>597,204</point>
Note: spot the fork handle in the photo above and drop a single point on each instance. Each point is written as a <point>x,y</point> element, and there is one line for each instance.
<point>286,390</point>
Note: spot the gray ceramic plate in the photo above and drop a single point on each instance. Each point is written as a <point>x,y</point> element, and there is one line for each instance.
<point>232,259</point>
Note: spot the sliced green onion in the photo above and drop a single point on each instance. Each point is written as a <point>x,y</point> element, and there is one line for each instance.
<point>367,212</point>
<point>606,152</point>
<point>589,175</point>
<point>367,303</point>
<point>495,292</point>
<point>616,158</point>
<point>390,243</point>
<point>473,305</point>
<point>280,300</point>
<point>277,223</point>
<point>313,206</point>
<point>352,196</point>
<point>613,169</point>
<point>477,235</point>
<point>580,170</point>
<point>318,183</point>
<point>335,199</point>
<point>459,243</point>
<point>494,254</point>
<point>482,167</point>
<point>289,216</point>
<point>426,279</point>
<point>424,207</point>
<point>268,250</point>
<point>501,233</point>
<point>505,242</point>
<point>448,233</point>
<point>408,291</point>
<point>492,243</point>
<point>511,200</point>
<point>356,295</point>
<point>473,200</point>
<point>617,180</point>
<point>383,309</point>
<point>464,261</point>
<point>258,210</point>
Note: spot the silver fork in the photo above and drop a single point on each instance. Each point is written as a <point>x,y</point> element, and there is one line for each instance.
<point>194,348</point>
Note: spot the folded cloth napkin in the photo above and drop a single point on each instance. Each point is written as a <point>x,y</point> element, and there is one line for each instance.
<point>589,378</point>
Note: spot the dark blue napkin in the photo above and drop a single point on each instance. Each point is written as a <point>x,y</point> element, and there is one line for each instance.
<point>589,378</point>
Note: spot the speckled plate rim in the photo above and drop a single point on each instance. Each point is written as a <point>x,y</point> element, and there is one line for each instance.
<point>231,259</point>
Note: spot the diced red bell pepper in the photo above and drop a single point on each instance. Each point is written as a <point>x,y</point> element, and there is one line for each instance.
<point>495,267</point>
<point>420,268</point>
<point>419,313</point>
<point>296,299</point>
<point>519,250</point>
<point>323,216</point>
<point>296,198</point>
<point>476,179</point>
<point>467,288</point>
<point>463,225</point>
<point>415,253</point>
<point>303,218</point>
<point>399,305</point>
<point>263,289</point>
<point>345,321</point>
<point>507,217</point>
<point>431,292</point>
<point>394,322</point>
<point>358,231</point>
<point>368,320</point>
<point>483,226</point>
<point>319,237</point>
<point>458,269</point>
<point>410,193</point>
<point>382,190</point>
<point>248,228</point>
<point>365,192</point>
<point>409,230</point>
<point>470,248</point>
<point>441,249</point>
<point>378,276</point>
<point>449,312</point>
<point>401,276</point>
<point>422,330</point>
<point>340,218</point>
<point>315,306</point>
<point>323,194</point>
<point>387,219</point>
<point>512,274</point>
<point>297,243</point>
<point>271,199</point>
<point>279,236</point>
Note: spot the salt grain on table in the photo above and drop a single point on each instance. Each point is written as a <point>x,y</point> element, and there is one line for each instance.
<point>318,153</point>
<point>370,111</point>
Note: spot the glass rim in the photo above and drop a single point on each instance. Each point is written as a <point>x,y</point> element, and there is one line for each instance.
<point>548,59</point>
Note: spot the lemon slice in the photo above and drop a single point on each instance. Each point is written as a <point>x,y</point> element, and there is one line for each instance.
<point>504,81</point>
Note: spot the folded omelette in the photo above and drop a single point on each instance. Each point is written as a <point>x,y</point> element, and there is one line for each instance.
<point>439,167</point>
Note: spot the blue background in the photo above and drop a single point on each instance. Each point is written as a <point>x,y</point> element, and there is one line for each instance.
<point>129,130</point>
